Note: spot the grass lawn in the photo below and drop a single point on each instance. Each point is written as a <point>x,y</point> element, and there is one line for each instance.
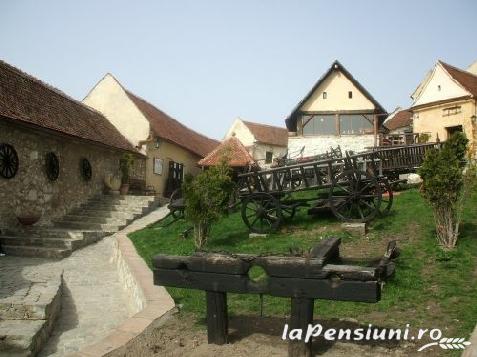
<point>430,289</point>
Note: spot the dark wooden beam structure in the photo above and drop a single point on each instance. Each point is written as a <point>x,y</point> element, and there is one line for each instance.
<point>318,275</point>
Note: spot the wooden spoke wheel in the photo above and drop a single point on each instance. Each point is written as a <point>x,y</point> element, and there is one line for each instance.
<point>386,197</point>
<point>355,196</point>
<point>52,166</point>
<point>8,161</point>
<point>261,212</point>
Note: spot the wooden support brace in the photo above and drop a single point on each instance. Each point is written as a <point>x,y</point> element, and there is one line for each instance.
<point>217,317</point>
<point>301,316</point>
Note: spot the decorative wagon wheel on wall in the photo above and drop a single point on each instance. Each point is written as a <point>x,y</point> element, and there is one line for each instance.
<point>52,166</point>
<point>86,170</point>
<point>355,196</point>
<point>261,212</point>
<point>8,161</point>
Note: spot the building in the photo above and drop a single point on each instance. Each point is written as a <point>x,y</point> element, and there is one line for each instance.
<point>55,152</point>
<point>445,102</point>
<point>263,142</point>
<point>338,110</point>
<point>171,148</point>
<point>237,155</point>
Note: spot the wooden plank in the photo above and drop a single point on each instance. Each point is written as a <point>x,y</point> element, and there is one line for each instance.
<point>301,317</point>
<point>217,317</point>
<point>329,289</point>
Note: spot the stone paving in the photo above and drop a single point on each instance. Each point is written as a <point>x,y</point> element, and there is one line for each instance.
<point>94,300</point>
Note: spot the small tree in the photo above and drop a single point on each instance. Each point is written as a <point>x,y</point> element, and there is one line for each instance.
<point>442,173</point>
<point>125,165</point>
<point>206,199</point>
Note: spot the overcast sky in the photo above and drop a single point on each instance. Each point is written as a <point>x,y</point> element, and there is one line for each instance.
<point>208,62</point>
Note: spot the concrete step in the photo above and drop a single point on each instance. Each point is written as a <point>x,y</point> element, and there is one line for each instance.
<point>36,252</point>
<point>92,226</point>
<point>22,337</point>
<point>45,242</point>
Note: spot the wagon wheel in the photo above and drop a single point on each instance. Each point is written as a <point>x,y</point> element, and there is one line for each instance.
<point>386,197</point>
<point>261,212</point>
<point>8,161</point>
<point>355,196</point>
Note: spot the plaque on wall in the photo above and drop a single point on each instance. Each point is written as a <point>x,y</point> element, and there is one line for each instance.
<point>158,166</point>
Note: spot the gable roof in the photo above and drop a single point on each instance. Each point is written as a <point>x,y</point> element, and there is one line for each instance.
<point>268,134</point>
<point>28,100</point>
<point>464,78</point>
<point>335,66</point>
<point>171,130</point>
<point>401,119</point>
<point>238,154</point>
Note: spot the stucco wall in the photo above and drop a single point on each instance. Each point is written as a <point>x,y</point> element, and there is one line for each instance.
<point>439,86</point>
<point>337,87</point>
<point>109,98</point>
<point>168,151</point>
<point>431,120</point>
<point>30,191</point>
<point>321,144</point>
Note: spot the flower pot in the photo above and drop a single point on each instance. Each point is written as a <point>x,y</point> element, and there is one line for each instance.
<point>29,220</point>
<point>124,189</point>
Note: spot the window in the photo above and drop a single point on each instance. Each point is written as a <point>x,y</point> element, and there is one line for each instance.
<point>451,111</point>
<point>320,124</point>
<point>350,94</point>
<point>325,95</point>
<point>268,157</point>
<point>356,124</point>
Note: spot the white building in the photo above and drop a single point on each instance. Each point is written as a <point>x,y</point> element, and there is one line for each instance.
<point>338,110</point>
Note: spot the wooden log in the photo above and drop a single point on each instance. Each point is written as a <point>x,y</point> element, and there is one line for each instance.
<point>301,316</point>
<point>217,317</point>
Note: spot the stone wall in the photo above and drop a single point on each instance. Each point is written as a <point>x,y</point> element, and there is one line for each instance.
<point>30,192</point>
<point>315,145</point>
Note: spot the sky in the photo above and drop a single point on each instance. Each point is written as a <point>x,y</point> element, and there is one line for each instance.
<point>206,63</point>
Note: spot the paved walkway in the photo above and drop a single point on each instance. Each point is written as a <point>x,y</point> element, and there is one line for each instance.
<point>94,300</point>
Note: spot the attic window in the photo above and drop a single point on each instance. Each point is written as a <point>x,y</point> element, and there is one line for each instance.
<point>325,95</point>
<point>350,94</point>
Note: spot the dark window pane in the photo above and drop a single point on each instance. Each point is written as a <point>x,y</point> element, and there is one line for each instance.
<point>356,124</point>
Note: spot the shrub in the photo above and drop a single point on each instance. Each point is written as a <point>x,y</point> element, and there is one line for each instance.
<point>443,187</point>
<point>206,199</point>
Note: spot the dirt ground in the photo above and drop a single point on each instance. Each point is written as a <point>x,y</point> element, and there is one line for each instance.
<point>249,336</point>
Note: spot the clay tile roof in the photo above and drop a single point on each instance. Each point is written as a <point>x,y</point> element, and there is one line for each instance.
<point>171,130</point>
<point>268,134</point>
<point>466,79</point>
<point>239,156</point>
<point>401,119</point>
<point>26,99</point>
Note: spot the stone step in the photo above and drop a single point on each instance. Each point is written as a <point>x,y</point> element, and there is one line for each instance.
<point>92,226</point>
<point>36,252</point>
<point>22,337</point>
<point>47,242</point>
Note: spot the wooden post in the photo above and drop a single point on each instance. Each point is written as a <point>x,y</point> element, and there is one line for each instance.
<point>301,316</point>
<point>217,317</point>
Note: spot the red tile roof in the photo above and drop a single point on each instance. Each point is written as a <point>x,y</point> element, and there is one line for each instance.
<point>401,119</point>
<point>26,99</point>
<point>232,147</point>
<point>268,134</point>
<point>466,79</point>
<point>171,130</point>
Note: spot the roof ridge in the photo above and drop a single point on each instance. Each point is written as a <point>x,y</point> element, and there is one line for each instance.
<point>163,112</point>
<point>48,86</point>
<point>463,71</point>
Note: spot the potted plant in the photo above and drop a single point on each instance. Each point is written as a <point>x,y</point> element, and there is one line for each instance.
<point>125,165</point>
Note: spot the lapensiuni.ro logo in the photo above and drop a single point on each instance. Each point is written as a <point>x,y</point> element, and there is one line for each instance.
<point>375,334</point>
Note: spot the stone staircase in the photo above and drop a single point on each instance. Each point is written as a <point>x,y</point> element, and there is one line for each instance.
<point>98,217</point>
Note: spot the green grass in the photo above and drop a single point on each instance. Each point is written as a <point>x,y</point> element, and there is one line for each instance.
<point>431,289</point>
